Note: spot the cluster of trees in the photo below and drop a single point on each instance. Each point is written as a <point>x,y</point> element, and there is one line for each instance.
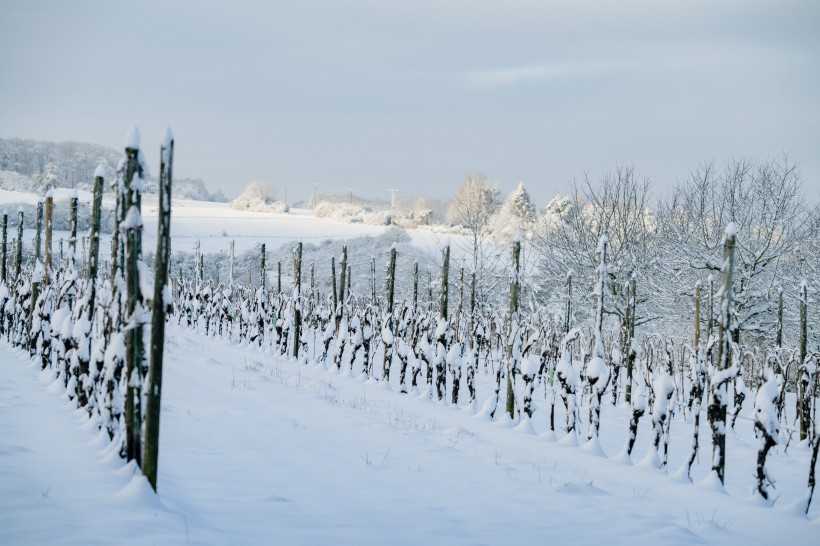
<point>667,246</point>
<point>36,166</point>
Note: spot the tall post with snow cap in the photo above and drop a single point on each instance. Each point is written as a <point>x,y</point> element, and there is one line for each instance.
<point>18,257</point>
<point>5,242</point>
<point>162,305</point>
<point>134,349</point>
<point>723,373</point>
<point>94,249</point>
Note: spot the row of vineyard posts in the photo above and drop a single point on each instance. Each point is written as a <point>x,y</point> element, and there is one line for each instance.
<point>93,337</point>
<point>88,325</point>
<point>432,348</point>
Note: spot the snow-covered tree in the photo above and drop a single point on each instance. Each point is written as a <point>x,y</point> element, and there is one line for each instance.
<point>516,215</point>
<point>259,197</point>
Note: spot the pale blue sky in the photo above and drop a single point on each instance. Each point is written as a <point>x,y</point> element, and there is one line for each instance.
<point>372,95</point>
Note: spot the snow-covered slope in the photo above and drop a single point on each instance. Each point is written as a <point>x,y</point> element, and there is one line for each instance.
<point>261,450</point>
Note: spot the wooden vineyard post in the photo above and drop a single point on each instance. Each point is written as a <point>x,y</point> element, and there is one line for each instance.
<point>94,249</point>
<point>512,364</point>
<point>334,294</point>
<point>717,406</point>
<point>804,386</point>
<point>134,349</point>
<point>230,266</point>
<point>445,277</point>
<point>72,226</point>
<point>5,242</point>
<point>297,304</point>
<point>49,212</point>
<point>279,277</point>
<point>779,333</point>
<point>158,312</point>
<point>697,315</point>
<point>39,231</point>
<point>391,284</point>
<point>262,276</point>
<point>342,279</point>
<point>441,329</point>
<point>18,257</point>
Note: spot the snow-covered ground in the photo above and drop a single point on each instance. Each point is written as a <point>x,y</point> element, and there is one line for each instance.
<point>260,449</point>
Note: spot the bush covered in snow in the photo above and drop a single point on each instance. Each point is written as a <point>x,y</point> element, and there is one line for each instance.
<point>258,197</point>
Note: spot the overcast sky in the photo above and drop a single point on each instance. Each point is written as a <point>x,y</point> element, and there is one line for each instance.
<point>370,95</point>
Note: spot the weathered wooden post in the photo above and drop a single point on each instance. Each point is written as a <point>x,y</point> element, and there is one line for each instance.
<point>18,258</point>
<point>94,250</point>
<point>804,386</point>
<point>230,266</point>
<point>697,315</point>
<point>373,279</point>
<point>445,282</point>
<point>512,363</point>
<point>391,285</point>
<point>279,277</point>
<point>717,407</point>
<point>72,226</point>
<point>262,276</point>
<point>342,279</point>
<point>39,231</point>
<point>441,333</point>
<point>5,241</point>
<point>297,307</point>
<point>779,333</point>
<point>158,312</point>
<point>134,349</point>
<point>334,294</point>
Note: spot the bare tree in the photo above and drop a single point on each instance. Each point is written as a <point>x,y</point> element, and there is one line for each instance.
<point>763,200</point>
<point>474,208</point>
<point>567,235</point>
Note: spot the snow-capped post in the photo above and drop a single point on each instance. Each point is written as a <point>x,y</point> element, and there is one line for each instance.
<point>342,277</point>
<point>230,265</point>
<point>373,279</point>
<point>445,280</point>
<point>414,324</point>
<point>723,374</point>
<point>334,295</point>
<point>779,333</point>
<point>297,302</point>
<point>18,257</point>
<point>598,373</point>
<point>279,277</point>
<point>134,350</point>
<point>805,372</point>
<point>5,241</point>
<point>262,275</point>
<point>49,213</point>
<point>72,227</point>
<point>630,336</point>
<point>513,359</point>
<point>38,234</point>
<point>387,336</point>
<point>94,247</point>
<point>697,315</point>
<point>197,270</point>
<point>711,318</point>
<point>442,326</point>
<point>162,305</point>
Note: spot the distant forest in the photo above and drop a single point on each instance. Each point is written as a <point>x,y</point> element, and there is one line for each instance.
<point>35,166</point>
